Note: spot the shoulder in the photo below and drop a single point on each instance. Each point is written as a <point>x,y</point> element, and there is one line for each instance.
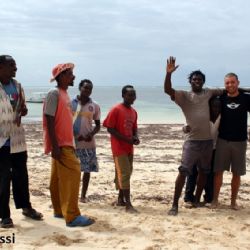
<point>52,96</point>
<point>74,100</point>
<point>215,91</point>
<point>118,106</point>
<point>182,92</point>
<point>74,103</point>
<point>179,94</point>
<point>17,85</point>
<point>245,96</point>
<point>53,92</point>
<point>16,82</point>
<point>95,103</point>
<point>133,110</point>
<point>116,109</point>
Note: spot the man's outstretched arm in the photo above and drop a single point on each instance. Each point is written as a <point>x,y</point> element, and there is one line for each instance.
<point>167,83</point>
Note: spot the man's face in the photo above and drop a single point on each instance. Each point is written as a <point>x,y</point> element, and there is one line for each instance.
<point>68,77</point>
<point>197,83</point>
<point>231,85</point>
<point>129,97</point>
<point>9,68</point>
<point>86,89</point>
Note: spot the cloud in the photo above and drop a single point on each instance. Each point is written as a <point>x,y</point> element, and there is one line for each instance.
<point>113,41</point>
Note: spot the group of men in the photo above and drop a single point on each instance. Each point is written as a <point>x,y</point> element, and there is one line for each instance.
<point>69,138</point>
<point>231,143</point>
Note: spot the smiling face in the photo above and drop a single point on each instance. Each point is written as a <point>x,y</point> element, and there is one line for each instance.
<point>231,84</point>
<point>197,83</point>
<point>86,89</point>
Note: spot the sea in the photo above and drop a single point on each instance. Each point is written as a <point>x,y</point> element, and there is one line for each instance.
<point>152,104</point>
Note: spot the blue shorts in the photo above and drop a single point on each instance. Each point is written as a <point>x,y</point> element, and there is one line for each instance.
<point>88,160</point>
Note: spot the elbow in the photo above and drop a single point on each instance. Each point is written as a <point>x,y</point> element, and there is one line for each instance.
<point>168,91</point>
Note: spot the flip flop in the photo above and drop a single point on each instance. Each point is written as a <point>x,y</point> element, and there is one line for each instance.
<point>32,213</point>
<point>80,221</point>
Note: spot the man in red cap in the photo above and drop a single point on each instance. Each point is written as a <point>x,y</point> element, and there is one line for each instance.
<point>59,140</point>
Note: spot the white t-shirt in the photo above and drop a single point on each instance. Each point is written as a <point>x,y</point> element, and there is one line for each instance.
<point>83,124</point>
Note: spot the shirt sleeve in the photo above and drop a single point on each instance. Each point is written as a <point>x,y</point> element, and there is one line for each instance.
<point>110,120</point>
<point>97,114</point>
<point>51,103</point>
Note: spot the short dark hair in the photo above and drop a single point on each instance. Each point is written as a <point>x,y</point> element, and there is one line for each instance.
<point>5,58</point>
<point>231,74</point>
<point>126,88</point>
<point>82,82</point>
<point>196,72</point>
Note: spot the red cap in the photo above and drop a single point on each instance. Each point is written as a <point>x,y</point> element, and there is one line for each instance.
<point>58,69</point>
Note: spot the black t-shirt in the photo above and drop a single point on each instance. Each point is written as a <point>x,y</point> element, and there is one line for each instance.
<point>233,124</point>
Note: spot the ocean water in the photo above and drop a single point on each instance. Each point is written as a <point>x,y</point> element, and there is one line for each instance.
<point>152,104</point>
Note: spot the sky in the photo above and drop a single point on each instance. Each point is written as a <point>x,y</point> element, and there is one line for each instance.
<point>117,42</point>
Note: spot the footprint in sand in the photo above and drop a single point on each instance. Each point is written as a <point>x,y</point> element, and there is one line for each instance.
<point>59,239</point>
<point>155,247</point>
<point>102,226</point>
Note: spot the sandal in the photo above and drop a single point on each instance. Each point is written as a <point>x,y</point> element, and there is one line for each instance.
<point>32,213</point>
<point>80,221</point>
<point>7,223</point>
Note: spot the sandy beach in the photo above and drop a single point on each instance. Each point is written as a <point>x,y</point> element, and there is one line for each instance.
<point>155,169</point>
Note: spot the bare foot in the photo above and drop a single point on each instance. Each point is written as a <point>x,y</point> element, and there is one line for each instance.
<point>131,209</point>
<point>235,206</point>
<point>188,204</point>
<point>173,211</point>
<point>119,203</point>
<point>84,200</point>
<point>214,204</point>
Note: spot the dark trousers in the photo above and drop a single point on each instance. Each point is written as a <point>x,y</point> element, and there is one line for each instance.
<point>191,184</point>
<point>13,167</point>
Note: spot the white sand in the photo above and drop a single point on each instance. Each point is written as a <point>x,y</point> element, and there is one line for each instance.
<point>155,170</point>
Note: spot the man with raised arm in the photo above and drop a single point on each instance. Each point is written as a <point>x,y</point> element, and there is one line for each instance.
<point>198,146</point>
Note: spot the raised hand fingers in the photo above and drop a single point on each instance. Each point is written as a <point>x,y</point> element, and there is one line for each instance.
<point>172,60</point>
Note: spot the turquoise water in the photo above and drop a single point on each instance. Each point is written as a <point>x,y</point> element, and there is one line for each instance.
<point>152,104</point>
